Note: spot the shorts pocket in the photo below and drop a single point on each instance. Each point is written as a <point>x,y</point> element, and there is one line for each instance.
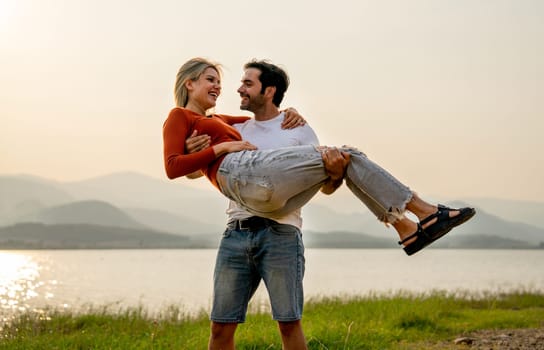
<point>227,233</point>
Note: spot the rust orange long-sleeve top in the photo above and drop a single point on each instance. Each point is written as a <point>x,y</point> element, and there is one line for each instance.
<point>179,125</point>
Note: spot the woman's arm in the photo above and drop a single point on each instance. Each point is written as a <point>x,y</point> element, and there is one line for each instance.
<point>232,146</point>
<point>177,163</point>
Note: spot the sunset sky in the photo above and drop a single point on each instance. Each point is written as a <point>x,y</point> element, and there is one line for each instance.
<point>447,95</point>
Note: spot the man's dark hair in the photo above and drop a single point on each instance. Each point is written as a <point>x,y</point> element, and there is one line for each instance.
<point>271,75</point>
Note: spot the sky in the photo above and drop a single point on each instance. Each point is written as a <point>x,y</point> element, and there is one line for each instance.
<point>445,94</point>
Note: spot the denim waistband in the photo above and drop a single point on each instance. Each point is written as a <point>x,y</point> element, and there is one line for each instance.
<point>253,223</point>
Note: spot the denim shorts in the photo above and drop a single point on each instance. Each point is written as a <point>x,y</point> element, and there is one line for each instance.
<point>274,254</point>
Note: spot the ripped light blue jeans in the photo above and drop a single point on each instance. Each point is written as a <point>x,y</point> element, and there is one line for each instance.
<point>272,183</point>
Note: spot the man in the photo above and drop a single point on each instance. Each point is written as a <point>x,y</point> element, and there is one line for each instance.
<point>254,248</point>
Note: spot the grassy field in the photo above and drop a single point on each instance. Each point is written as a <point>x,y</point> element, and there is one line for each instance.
<point>401,321</point>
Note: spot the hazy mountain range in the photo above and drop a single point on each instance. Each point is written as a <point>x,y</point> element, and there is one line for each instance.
<point>130,210</point>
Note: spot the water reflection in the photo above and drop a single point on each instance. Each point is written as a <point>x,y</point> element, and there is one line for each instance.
<point>41,280</point>
<point>19,282</point>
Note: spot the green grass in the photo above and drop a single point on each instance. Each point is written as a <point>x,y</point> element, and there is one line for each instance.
<point>402,321</point>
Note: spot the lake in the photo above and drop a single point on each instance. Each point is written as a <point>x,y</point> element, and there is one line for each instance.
<point>156,279</point>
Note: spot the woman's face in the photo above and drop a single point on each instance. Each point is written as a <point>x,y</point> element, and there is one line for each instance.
<point>206,89</point>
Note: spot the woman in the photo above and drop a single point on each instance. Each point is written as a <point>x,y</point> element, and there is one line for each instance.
<point>270,183</point>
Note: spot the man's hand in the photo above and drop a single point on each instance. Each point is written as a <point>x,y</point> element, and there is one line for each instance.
<point>335,163</point>
<point>195,143</point>
<point>292,119</point>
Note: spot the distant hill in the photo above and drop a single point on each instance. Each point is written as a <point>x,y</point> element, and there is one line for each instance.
<point>135,201</point>
<point>172,223</point>
<point>83,212</point>
<point>527,212</point>
<point>133,190</point>
<point>345,240</point>
<point>321,218</point>
<point>85,236</point>
<point>324,220</point>
<point>491,225</point>
<point>450,241</point>
<point>162,205</point>
<point>22,195</point>
<point>478,241</point>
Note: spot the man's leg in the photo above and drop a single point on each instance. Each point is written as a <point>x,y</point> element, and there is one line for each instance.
<point>222,336</point>
<point>281,262</point>
<point>292,336</point>
<point>235,281</point>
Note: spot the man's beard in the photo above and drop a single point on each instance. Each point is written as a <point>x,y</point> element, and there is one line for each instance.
<point>252,103</point>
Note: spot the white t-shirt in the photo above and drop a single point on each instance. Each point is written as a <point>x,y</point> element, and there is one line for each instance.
<point>266,135</point>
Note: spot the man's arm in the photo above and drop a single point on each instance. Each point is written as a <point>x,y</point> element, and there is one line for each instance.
<point>335,163</point>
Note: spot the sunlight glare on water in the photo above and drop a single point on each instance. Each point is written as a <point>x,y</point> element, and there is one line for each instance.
<point>19,281</point>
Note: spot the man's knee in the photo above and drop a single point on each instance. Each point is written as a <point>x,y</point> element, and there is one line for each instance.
<point>288,328</point>
<point>223,330</point>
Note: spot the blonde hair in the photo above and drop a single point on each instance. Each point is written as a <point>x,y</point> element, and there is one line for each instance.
<point>191,70</point>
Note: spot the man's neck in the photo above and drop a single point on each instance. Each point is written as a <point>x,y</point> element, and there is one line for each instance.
<point>266,113</point>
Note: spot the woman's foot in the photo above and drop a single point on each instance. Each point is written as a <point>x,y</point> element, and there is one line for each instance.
<point>432,227</point>
<point>424,212</point>
<point>406,227</point>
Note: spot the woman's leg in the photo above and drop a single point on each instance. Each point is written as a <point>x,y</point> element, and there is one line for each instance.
<point>388,199</point>
<point>382,193</point>
<point>272,183</point>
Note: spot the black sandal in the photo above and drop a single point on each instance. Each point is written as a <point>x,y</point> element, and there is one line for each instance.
<point>422,240</point>
<point>444,223</point>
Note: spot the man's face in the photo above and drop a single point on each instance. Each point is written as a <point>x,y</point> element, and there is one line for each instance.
<point>250,90</point>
